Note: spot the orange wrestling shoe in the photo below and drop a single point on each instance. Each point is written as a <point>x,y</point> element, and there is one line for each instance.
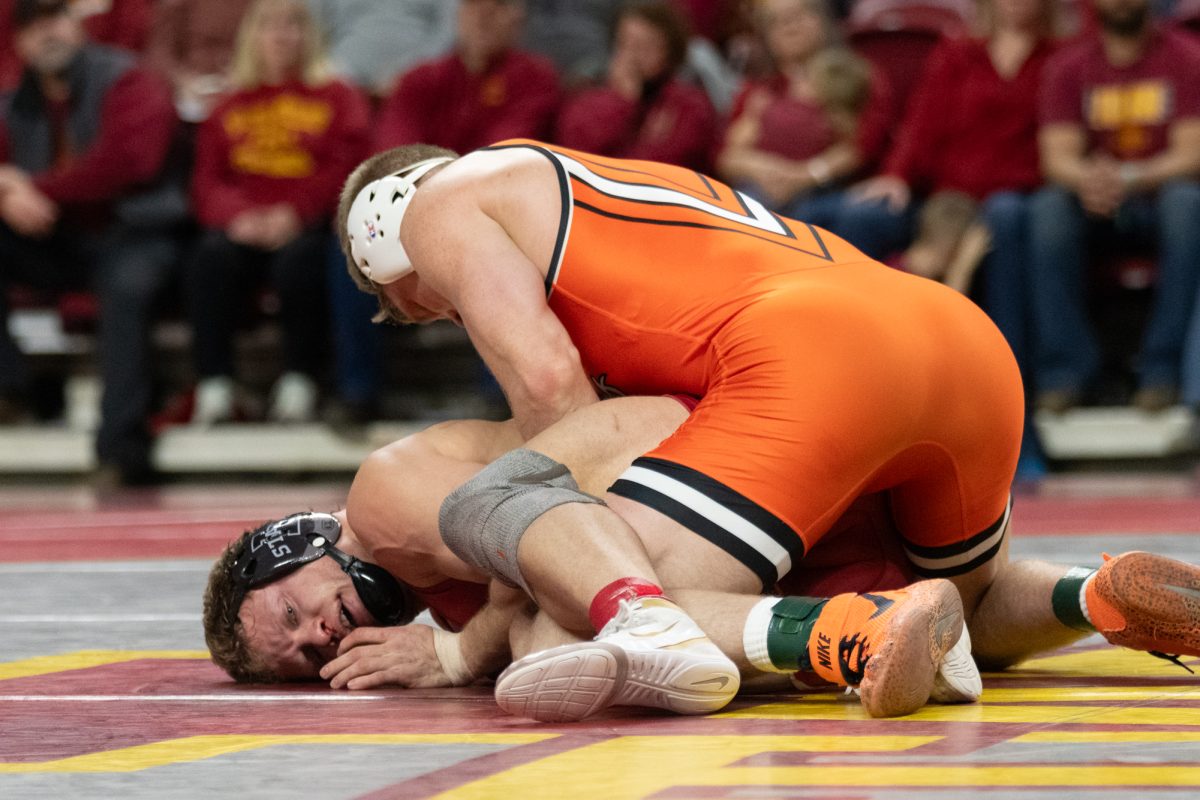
<point>888,645</point>
<point>1147,602</point>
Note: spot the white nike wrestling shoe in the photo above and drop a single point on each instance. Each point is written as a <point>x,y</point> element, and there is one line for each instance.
<point>957,679</point>
<point>650,654</point>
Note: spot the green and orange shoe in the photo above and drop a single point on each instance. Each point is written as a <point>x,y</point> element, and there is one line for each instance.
<point>1147,602</point>
<point>888,645</point>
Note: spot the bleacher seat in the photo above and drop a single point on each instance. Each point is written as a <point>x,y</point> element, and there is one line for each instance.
<point>897,35</point>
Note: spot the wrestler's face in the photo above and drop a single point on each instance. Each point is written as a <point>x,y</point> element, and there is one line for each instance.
<point>488,27</point>
<point>280,42</point>
<point>49,44</point>
<point>642,45</point>
<point>293,625</point>
<point>794,28</point>
<point>413,301</point>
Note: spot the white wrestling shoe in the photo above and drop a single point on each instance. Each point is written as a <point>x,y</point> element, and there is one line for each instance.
<point>650,654</point>
<point>957,679</point>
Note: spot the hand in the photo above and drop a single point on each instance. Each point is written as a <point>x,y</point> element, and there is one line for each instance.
<point>281,224</point>
<point>27,211</point>
<point>624,77</point>
<point>402,656</point>
<point>889,188</point>
<point>1101,189</point>
<point>247,228</point>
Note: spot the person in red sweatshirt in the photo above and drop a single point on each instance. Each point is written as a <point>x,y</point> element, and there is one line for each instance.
<point>86,201</point>
<point>645,110</point>
<point>484,91</point>
<point>822,117</point>
<point>270,160</point>
<point>983,143</point>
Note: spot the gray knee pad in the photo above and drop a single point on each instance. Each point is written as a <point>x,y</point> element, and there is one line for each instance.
<point>483,520</point>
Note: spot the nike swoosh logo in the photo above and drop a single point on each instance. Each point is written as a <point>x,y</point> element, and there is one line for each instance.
<point>721,682</point>
<point>659,632</point>
<point>1183,590</point>
<point>881,604</point>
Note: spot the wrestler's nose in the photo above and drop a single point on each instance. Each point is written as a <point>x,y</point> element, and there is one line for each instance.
<point>318,633</point>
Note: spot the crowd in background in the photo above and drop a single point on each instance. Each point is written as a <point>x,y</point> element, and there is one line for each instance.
<point>188,153</point>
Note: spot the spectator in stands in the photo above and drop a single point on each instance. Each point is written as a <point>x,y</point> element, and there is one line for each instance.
<point>270,161</point>
<point>372,42</point>
<point>120,23</point>
<point>191,42</point>
<point>484,91</point>
<point>83,144</point>
<point>795,138</point>
<point>983,144</point>
<point>574,34</point>
<point>1120,145</point>
<point>950,243</point>
<point>644,110</point>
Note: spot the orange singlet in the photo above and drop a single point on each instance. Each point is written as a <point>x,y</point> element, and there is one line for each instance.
<point>823,375</point>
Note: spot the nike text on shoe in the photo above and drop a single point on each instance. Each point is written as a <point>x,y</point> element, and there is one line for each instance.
<point>889,645</point>
<point>1147,602</point>
<point>650,654</point>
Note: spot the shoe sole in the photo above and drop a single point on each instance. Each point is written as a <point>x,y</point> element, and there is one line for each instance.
<point>900,674</point>
<point>1159,599</point>
<point>957,679</point>
<point>575,681</point>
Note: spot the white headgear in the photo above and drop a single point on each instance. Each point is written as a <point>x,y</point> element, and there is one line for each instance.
<point>373,224</point>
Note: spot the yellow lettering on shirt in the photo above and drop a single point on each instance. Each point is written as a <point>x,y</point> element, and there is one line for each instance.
<point>267,135</point>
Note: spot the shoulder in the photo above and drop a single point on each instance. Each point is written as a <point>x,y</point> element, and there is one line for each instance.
<point>1179,45</point>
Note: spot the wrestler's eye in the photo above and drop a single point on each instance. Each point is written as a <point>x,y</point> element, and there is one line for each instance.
<point>291,615</point>
<point>349,620</point>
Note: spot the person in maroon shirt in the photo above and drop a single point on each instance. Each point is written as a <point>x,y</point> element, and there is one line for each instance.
<point>270,160</point>
<point>483,92</point>
<point>85,201</point>
<point>645,111</point>
<point>1120,146</point>
<point>982,143</point>
<point>795,138</point>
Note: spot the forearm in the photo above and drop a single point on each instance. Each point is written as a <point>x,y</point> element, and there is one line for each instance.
<point>1145,176</point>
<point>483,644</point>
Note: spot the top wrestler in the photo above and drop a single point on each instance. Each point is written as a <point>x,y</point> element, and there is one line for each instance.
<point>822,375</point>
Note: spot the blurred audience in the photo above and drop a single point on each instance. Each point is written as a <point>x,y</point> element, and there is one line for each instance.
<point>983,144</point>
<point>484,91</point>
<point>1120,146</point>
<point>83,202</point>
<point>573,34</point>
<point>120,23</point>
<point>372,42</point>
<point>644,110</point>
<point>795,138</point>
<point>950,242</point>
<point>192,42</point>
<point>270,161</point>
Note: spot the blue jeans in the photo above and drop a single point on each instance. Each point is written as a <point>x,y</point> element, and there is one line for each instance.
<point>357,342</point>
<point>1004,273</point>
<point>1067,355</point>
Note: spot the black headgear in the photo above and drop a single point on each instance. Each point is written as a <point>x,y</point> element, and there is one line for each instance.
<point>286,545</point>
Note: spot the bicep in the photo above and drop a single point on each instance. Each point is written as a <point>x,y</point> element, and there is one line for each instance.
<point>1059,143</point>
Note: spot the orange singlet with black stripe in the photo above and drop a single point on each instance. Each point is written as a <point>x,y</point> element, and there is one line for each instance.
<point>823,375</point>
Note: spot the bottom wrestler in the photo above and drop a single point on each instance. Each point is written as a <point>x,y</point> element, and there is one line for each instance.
<point>294,615</point>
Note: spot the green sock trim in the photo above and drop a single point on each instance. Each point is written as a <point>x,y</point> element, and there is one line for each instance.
<point>1067,599</point>
<point>792,621</point>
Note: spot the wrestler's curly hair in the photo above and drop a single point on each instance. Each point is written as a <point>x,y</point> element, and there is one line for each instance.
<point>377,166</point>
<point>223,630</point>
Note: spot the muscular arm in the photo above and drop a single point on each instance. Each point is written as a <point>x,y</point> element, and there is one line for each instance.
<point>469,258</point>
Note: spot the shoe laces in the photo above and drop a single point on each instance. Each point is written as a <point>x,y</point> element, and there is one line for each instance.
<point>621,619</point>
<point>1174,659</point>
